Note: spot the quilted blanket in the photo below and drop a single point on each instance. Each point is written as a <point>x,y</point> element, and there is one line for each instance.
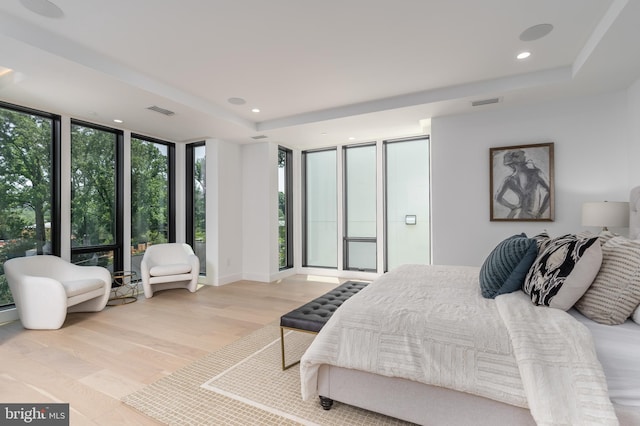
<point>431,324</point>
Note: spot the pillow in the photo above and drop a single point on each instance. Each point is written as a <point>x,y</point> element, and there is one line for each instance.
<point>507,265</point>
<point>636,315</point>
<point>605,236</point>
<point>563,272</point>
<point>542,239</point>
<point>615,293</point>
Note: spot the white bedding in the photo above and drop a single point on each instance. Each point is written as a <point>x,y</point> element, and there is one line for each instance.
<point>430,324</point>
<point>618,349</point>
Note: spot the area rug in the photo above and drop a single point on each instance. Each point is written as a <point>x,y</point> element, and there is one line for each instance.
<point>243,383</point>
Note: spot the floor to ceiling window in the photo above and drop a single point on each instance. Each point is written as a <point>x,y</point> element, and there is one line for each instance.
<point>196,197</point>
<point>360,207</point>
<point>320,223</point>
<point>407,226</point>
<point>285,208</point>
<point>29,186</point>
<point>96,196</point>
<point>152,199</point>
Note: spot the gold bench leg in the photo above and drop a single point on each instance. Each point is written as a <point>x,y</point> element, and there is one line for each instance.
<point>284,365</point>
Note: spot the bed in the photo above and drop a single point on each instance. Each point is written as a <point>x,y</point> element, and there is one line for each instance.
<point>422,344</point>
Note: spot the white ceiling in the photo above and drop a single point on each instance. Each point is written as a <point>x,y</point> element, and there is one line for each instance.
<point>320,72</point>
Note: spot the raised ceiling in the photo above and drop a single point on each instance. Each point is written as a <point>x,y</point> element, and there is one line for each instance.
<point>320,72</point>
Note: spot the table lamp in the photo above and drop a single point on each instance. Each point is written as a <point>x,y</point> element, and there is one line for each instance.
<point>605,214</point>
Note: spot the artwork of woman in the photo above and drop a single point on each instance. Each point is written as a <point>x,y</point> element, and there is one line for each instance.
<point>525,192</point>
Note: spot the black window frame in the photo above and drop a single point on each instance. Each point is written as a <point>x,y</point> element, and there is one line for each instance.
<point>118,247</point>
<point>304,205</point>
<point>345,213</point>
<point>289,260</point>
<point>171,160</point>
<point>56,167</point>
<point>190,236</point>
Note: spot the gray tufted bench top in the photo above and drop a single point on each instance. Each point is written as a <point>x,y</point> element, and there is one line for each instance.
<point>313,315</point>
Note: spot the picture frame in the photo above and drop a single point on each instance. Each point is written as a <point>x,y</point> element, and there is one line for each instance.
<point>521,183</point>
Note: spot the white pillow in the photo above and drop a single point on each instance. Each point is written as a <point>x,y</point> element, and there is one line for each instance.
<point>615,292</point>
<point>636,315</point>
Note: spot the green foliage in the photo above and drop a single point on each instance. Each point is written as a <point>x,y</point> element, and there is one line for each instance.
<point>5,292</point>
<point>25,171</point>
<point>149,193</point>
<point>93,209</point>
<point>199,199</point>
<point>25,187</point>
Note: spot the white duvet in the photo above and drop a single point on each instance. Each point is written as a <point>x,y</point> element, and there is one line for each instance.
<point>431,324</point>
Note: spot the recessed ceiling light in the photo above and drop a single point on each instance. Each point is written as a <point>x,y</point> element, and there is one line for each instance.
<point>255,110</point>
<point>351,138</point>
<point>43,8</point>
<point>523,55</point>
<point>536,32</point>
<point>117,120</point>
<point>236,101</point>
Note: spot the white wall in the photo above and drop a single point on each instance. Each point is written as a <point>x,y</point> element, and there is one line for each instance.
<point>260,211</point>
<point>224,212</point>
<point>591,137</point>
<point>634,130</point>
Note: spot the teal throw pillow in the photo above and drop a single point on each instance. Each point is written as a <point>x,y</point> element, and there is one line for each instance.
<point>506,267</point>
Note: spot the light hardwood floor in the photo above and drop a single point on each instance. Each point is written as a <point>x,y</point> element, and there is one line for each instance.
<point>97,358</point>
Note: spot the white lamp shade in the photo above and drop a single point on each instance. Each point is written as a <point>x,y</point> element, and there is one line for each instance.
<point>605,214</point>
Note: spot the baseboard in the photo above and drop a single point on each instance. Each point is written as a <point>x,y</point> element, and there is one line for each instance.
<point>228,279</point>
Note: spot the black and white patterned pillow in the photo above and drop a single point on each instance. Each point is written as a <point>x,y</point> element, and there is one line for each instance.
<point>563,271</point>
<point>542,239</point>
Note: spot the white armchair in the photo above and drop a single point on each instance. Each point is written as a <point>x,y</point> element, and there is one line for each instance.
<point>45,288</point>
<point>169,265</point>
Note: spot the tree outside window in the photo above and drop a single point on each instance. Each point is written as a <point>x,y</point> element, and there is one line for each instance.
<point>26,142</point>
<point>150,197</point>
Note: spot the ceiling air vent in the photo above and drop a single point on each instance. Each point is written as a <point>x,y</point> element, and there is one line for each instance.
<point>259,137</point>
<point>485,102</point>
<point>161,110</point>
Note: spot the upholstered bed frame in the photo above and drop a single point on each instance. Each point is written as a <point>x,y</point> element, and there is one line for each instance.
<point>415,402</point>
<point>634,213</point>
<point>425,404</point>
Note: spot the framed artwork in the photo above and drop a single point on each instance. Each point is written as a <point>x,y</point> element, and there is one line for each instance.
<point>521,183</point>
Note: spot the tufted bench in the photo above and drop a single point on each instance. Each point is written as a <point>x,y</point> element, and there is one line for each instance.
<point>312,316</point>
